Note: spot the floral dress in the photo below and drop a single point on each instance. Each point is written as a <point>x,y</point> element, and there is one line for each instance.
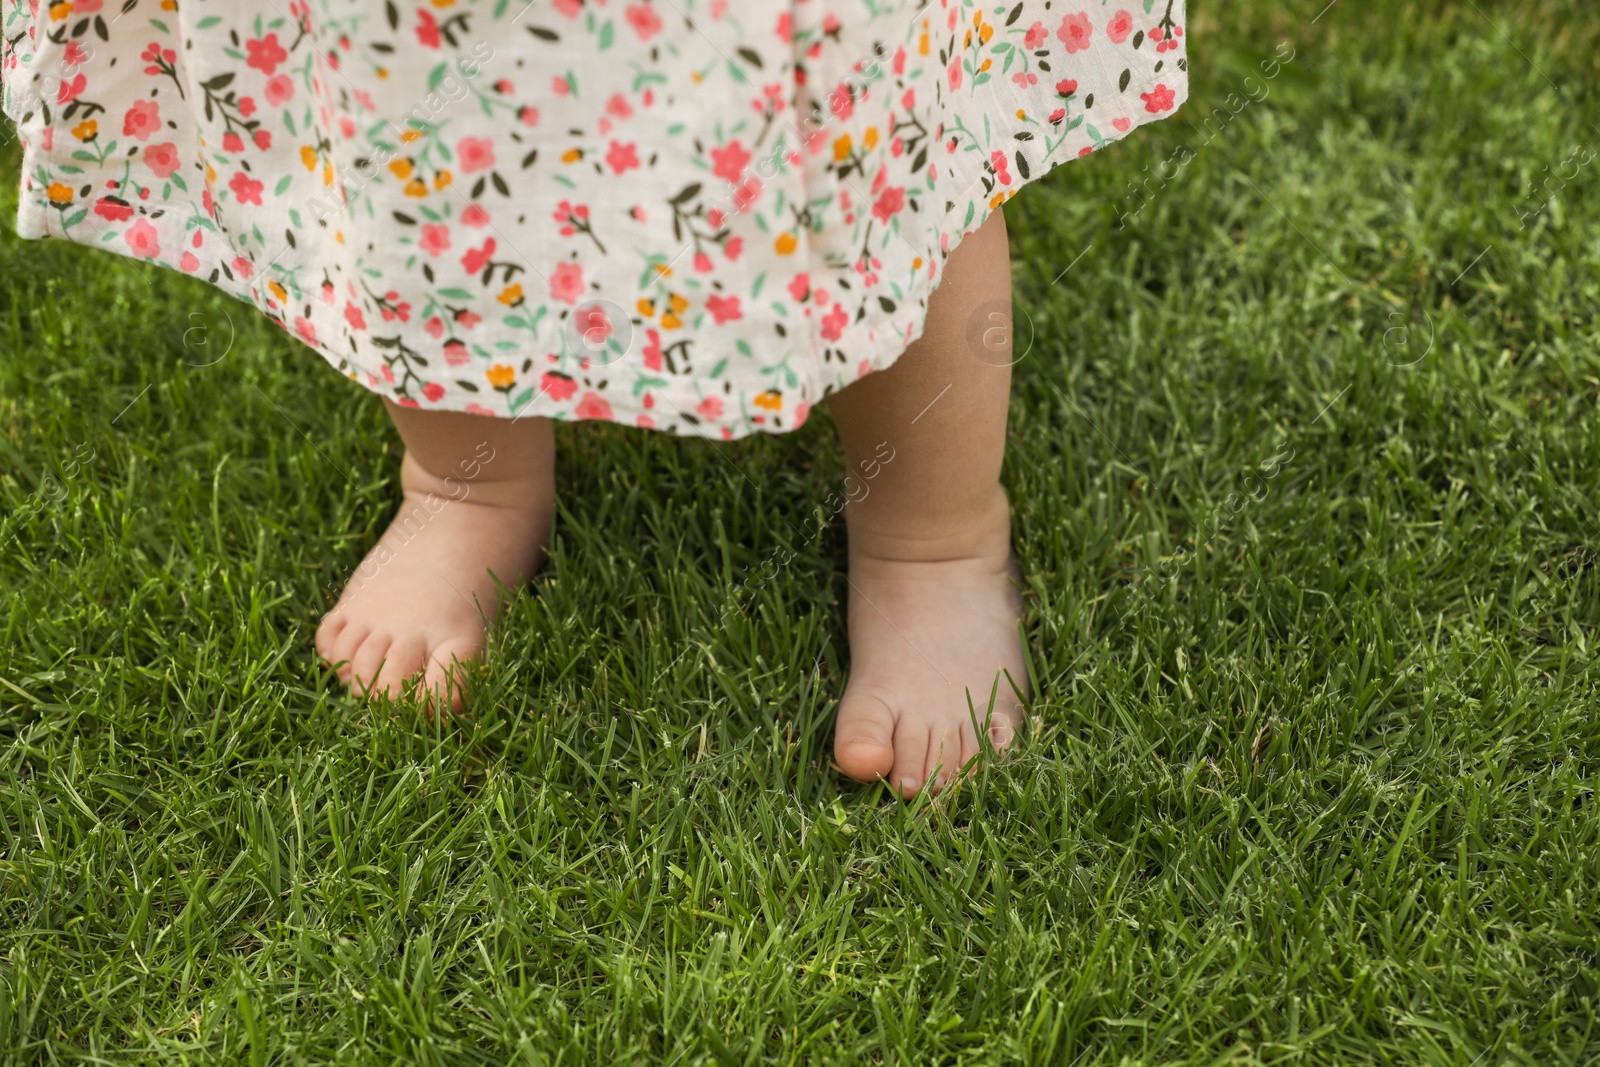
<point>698,216</point>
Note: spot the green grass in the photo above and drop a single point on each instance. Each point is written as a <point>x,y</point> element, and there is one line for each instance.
<point>1327,795</point>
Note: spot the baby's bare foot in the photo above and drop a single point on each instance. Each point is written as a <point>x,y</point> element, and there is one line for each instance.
<point>925,632</point>
<point>424,596</point>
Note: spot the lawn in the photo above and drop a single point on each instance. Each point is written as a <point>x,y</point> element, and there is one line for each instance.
<point>1304,457</point>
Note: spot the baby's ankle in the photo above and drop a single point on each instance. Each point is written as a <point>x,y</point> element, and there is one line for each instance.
<point>979,530</point>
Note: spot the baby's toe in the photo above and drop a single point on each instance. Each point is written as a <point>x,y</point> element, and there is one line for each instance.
<point>406,657</point>
<point>911,740</point>
<point>944,756</point>
<point>328,631</point>
<point>367,662</point>
<point>443,680</point>
<point>863,740</point>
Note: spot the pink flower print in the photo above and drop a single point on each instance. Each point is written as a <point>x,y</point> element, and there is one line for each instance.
<point>529,116</point>
<point>559,85</point>
<point>1002,167</point>
<point>468,319</point>
<point>427,29</point>
<point>476,153</point>
<point>474,216</point>
<point>645,422</point>
<point>1074,32</point>
<point>115,211</point>
<point>478,258</point>
<point>1066,87</point>
<point>840,103</point>
<point>280,89</point>
<point>644,20</point>
<point>569,8</point>
<point>802,411</point>
<point>557,387</point>
<point>1158,99</point>
<point>652,353</point>
<point>954,73</point>
<point>566,283</point>
<point>834,322</point>
<point>74,55</point>
<point>746,195</point>
<point>618,106</point>
<point>246,188</point>
<point>724,309</point>
<point>477,409</point>
<point>728,162</point>
<point>1119,27</point>
<point>702,263</point>
<point>189,262</point>
<point>432,391</point>
<point>800,287</point>
<point>141,237</point>
<point>70,88</point>
<point>143,119</point>
<point>900,60</point>
<point>732,248</point>
<point>243,268</point>
<point>889,203</point>
<point>162,159</point>
<point>354,317</point>
<point>435,239</point>
<point>265,54</point>
<point>1035,36</point>
<point>455,354</point>
<point>263,139</point>
<point>593,405</point>
<point>622,157</point>
<point>785,28</point>
<point>247,106</point>
<point>1121,123</point>
<point>1025,79</point>
<point>307,332</point>
<point>710,408</point>
<point>435,327</point>
<point>232,142</point>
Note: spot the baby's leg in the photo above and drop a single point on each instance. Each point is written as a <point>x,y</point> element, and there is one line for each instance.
<point>479,494</point>
<point>933,610</point>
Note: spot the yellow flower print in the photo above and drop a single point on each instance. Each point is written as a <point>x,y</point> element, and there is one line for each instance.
<point>510,296</point>
<point>841,148</point>
<point>869,140</point>
<point>85,130</point>
<point>416,187</point>
<point>409,134</point>
<point>669,321</point>
<point>785,244</point>
<point>501,376</point>
<point>572,155</point>
<point>678,303</point>
<point>442,179</point>
<point>771,400</point>
<point>308,156</point>
<point>401,168</point>
<point>278,291</point>
<point>58,193</point>
<point>986,33</point>
<point>327,172</point>
<point>647,307</point>
<point>60,11</point>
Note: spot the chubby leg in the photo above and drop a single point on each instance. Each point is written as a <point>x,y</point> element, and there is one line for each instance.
<point>933,606</point>
<point>479,495</point>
